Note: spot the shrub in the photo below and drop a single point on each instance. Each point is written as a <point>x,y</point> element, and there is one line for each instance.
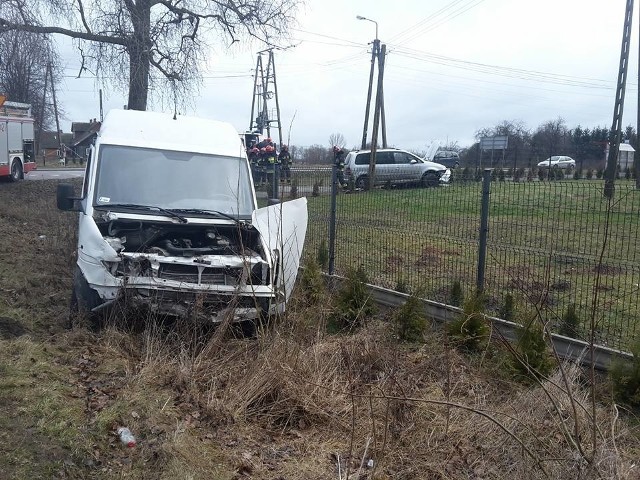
<point>519,174</point>
<point>627,173</point>
<point>353,304</point>
<point>315,192</point>
<point>322,256</point>
<point>599,173</point>
<point>501,175</point>
<point>577,175</point>
<point>494,174</point>
<point>478,175</point>
<point>470,331</point>
<point>533,358</point>
<point>570,324</point>
<point>542,174</point>
<point>456,296</point>
<point>410,320</point>
<point>466,174</point>
<point>508,308</point>
<point>625,378</point>
<point>589,174</point>
<point>311,283</point>
<point>530,174</point>
<point>402,286</point>
<point>293,191</point>
<point>559,174</point>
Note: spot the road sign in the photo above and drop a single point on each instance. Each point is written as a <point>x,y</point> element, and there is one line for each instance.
<point>499,142</point>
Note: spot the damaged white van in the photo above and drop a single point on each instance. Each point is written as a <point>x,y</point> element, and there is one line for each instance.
<point>168,221</point>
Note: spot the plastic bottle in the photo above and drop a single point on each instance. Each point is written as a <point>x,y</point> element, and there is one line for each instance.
<point>126,437</point>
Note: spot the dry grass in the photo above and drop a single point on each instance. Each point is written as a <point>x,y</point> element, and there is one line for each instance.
<point>292,403</point>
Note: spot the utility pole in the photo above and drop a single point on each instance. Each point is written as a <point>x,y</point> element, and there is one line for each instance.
<point>616,128</point>
<point>636,155</point>
<point>101,111</point>
<point>42,109</point>
<point>376,120</point>
<point>374,56</point>
<point>265,89</point>
<point>55,110</point>
<point>381,60</point>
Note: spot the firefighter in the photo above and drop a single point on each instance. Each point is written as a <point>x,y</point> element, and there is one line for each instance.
<point>284,159</point>
<point>254,159</point>
<point>270,160</point>
<point>261,166</point>
<point>338,161</point>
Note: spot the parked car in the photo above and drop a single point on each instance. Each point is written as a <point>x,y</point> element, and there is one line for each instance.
<point>448,158</point>
<point>558,161</point>
<point>395,167</point>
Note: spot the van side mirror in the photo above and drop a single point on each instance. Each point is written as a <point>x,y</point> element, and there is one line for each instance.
<point>66,197</point>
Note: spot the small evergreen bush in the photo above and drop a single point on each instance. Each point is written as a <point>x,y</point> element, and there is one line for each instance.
<point>293,191</point>
<point>507,309</point>
<point>353,304</point>
<point>456,296</point>
<point>312,284</point>
<point>542,174</point>
<point>625,378</point>
<point>570,324</point>
<point>471,331</point>
<point>589,174</point>
<point>534,359</point>
<point>599,173</point>
<point>410,320</point>
<point>501,175</point>
<point>577,175</point>
<point>322,255</point>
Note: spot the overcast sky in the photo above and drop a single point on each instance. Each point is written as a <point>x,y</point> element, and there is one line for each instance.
<point>453,67</point>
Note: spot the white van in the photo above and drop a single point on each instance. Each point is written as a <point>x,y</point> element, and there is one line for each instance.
<point>168,221</point>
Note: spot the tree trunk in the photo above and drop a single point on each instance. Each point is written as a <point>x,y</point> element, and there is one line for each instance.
<point>139,56</point>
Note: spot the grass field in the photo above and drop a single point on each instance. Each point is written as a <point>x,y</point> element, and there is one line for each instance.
<point>544,245</point>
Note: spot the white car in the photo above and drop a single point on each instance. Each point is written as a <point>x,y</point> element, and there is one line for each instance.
<point>558,161</point>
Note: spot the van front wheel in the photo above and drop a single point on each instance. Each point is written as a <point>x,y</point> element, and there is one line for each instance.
<point>362,183</point>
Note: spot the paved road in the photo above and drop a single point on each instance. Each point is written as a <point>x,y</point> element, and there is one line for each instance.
<point>57,174</point>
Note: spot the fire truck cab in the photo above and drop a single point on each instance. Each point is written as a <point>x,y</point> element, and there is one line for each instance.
<point>17,154</point>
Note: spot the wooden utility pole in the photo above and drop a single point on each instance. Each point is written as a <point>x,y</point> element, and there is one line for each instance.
<point>374,56</point>
<point>636,155</point>
<point>42,109</point>
<point>55,110</point>
<point>616,127</point>
<point>376,119</point>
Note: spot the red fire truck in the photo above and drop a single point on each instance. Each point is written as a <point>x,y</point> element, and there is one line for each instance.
<point>17,155</point>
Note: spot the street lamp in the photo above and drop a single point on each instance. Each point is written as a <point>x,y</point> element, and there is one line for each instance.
<point>360,17</point>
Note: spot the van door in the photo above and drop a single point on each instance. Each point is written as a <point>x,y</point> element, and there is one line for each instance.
<point>386,168</point>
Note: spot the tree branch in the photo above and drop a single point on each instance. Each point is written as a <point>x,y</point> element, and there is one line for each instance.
<point>6,26</point>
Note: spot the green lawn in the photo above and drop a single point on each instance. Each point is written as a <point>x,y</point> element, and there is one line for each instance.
<point>545,241</point>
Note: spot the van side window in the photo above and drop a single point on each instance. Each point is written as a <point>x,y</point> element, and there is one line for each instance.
<point>384,158</point>
<point>401,158</point>
<point>363,159</point>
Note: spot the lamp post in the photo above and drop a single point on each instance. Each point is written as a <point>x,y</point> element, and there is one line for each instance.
<point>360,17</point>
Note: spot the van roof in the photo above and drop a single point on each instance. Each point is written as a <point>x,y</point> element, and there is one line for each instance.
<point>159,130</point>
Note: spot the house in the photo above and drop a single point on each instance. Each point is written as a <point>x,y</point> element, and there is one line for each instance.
<point>49,146</point>
<point>84,134</point>
<point>625,156</point>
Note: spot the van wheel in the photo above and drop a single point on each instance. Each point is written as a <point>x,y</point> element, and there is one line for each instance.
<point>83,300</point>
<point>16,171</point>
<point>362,182</point>
<point>429,179</point>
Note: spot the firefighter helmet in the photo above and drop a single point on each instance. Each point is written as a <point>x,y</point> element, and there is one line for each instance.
<point>269,148</point>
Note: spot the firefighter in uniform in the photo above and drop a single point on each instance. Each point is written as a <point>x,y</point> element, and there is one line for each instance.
<point>284,159</point>
<point>270,159</point>
<point>338,160</point>
<point>254,158</point>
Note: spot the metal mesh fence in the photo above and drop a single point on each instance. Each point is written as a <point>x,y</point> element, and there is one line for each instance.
<point>551,244</point>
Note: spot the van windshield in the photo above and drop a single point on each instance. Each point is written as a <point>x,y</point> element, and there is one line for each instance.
<point>173,180</point>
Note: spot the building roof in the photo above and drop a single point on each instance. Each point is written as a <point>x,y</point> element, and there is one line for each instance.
<point>625,147</point>
<point>50,139</point>
<point>86,134</point>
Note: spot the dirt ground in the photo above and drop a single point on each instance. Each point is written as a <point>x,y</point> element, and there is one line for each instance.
<point>294,402</point>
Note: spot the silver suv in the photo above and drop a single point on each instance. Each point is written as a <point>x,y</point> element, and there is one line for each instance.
<point>393,166</point>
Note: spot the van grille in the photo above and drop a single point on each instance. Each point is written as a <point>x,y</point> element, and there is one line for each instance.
<point>190,274</point>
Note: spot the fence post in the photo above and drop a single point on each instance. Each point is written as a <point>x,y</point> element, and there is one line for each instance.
<point>332,220</point>
<point>484,229</point>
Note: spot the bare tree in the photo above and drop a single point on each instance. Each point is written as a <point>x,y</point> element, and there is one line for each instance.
<point>160,43</point>
<point>23,65</point>
<point>337,139</point>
